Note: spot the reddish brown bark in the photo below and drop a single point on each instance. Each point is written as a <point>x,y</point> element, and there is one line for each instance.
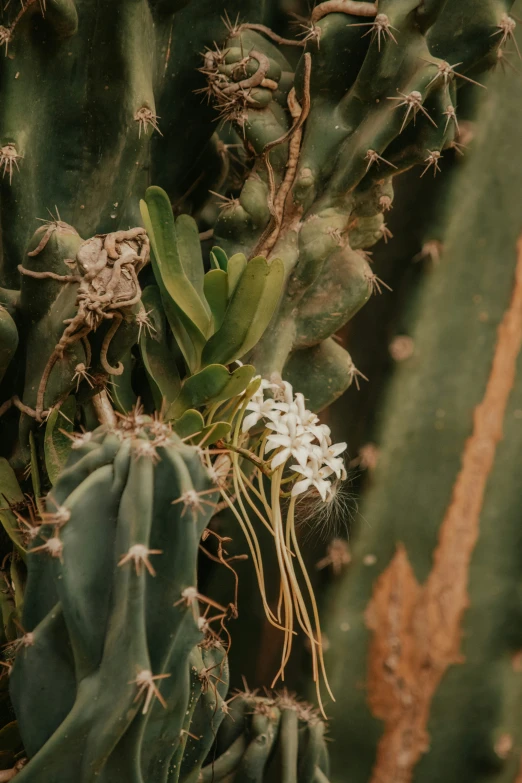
<point>417,628</point>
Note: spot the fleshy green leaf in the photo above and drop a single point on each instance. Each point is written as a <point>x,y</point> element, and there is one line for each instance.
<point>212,433</point>
<point>236,266</point>
<point>213,384</point>
<point>188,315</point>
<point>221,258</point>
<point>249,312</point>
<point>189,424</point>
<point>168,248</point>
<point>189,249</point>
<point>266,306</point>
<point>216,293</point>
<point>159,362</point>
<point>56,443</point>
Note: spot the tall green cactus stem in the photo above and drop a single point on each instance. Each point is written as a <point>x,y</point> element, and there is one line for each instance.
<point>316,198</point>
<point>116,674</point>
<point>95,100</point>
<point>101,684</point>
<point>425,626</point>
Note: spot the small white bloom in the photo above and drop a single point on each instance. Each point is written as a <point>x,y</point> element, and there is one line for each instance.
<point>286,424</point>
<point>308,419</point>
<point>329,455</point>
<point>259,409</point>
<point>292,440</point>
<point>315,475</point>
<point>324,432</point>
<point>297,408</point>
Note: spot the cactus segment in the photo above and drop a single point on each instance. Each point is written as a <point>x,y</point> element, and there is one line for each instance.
<point>119,522</point>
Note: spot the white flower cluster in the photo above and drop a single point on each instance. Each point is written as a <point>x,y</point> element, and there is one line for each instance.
<point>296,432</point>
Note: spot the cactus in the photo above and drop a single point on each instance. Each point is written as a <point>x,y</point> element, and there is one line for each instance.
<point>425,622</point>
<point>316,197</point>
<point>111,601</point>
<point>140,399</point>
<point>266,737</point>
<point>116,669</point>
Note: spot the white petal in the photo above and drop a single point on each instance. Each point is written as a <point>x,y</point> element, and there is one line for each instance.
<point>325,472</point>
<point>280,458</point>
<point>322,487</point>
<point>284,407</point>
<point>250,421</point>
<point>278,426</point>
<point>301,454</point>
<point>335,465</point>
<point>337,448</point>
<point>306,471</point>
<point>300,487</point>
<point>278,440</point>
<point>324,432</point>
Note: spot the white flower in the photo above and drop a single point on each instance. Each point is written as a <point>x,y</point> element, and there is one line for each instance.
<point>291,439</point>
<point>329,455</point>
<point>315,475</point>
<point>297,407</point>
<point>323,434</point>
<point>259,409</point>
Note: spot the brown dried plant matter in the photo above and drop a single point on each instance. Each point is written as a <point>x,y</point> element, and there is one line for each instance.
<point>417,628</point>
<point>277,201</point>
<point>106,270</point>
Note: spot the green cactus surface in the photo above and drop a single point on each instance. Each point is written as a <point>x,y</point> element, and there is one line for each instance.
<point>424,624</point>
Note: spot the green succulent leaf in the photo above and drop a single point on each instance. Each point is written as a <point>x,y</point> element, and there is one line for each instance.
<point>56,443</point>
<point>212,433</point>
<point>249,312</point>
<point>172,243</point>
<point>189,249</point>
<point>216,294</point>
<point>236,266</point>
<point>188,314</point>
<point>221,258</point>
<point>190,423</point>
<point>213,384</point>
<point>159,362</point>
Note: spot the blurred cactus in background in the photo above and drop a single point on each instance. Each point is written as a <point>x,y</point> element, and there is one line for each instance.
<point>189,194</point>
